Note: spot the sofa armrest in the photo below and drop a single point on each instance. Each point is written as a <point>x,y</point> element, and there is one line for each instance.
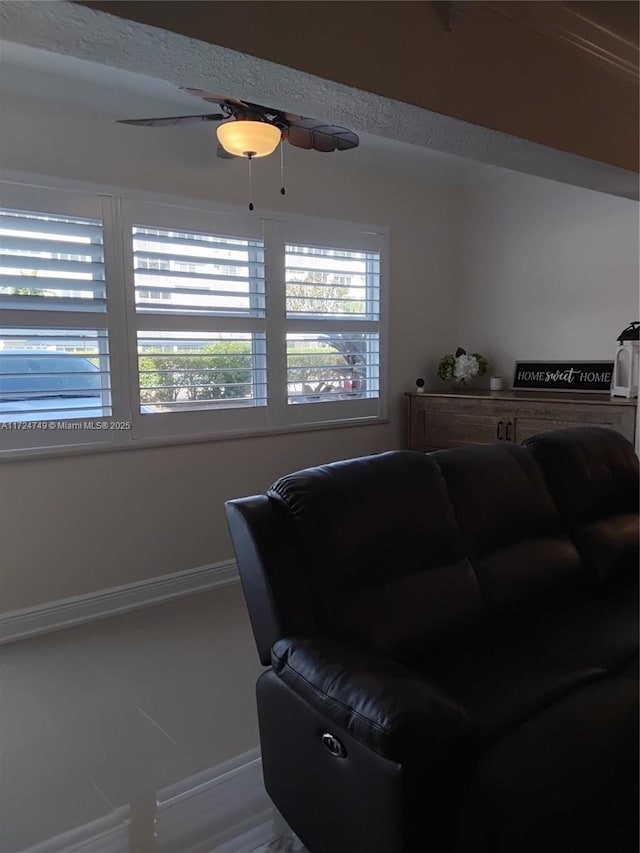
<point>383,704</point>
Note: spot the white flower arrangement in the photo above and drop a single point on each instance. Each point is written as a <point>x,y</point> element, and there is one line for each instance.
<point>462,367</point>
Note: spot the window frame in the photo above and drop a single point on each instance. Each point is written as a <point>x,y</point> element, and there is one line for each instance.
<point>328,235</point>
<point>84,206</point>
<point>120,209</point>
<point>139,213</point>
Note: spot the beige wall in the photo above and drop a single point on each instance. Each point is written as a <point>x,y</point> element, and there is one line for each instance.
<point>75,525</point>
<point>547,271</point>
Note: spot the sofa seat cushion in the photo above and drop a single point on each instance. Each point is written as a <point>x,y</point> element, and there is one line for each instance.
<point>503,682</point>
<point>601,630</point>
<point>557,782</point>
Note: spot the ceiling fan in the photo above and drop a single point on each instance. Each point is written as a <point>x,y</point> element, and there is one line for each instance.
<point>252,130</point>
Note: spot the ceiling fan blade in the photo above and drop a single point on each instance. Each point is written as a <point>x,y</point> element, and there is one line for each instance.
<point>300,137</point>
<point>323,141</point>
<point>212,98</point>
<point>172,121</point>
<point>324,137</point>
<point>347,140</point>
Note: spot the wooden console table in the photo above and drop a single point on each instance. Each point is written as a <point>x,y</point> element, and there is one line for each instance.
<point>453,418</point>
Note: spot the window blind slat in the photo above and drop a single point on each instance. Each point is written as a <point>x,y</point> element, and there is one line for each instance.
<point>50,303</point>
<point>193,290</point>
<point>293,271</point>
<point>193,258</point>
<point>90,269</point>
<point>175,240</point>
<point>41,282</point>
<point>331,298</point>
<point>10,244</point>
<point>197,276</point>
<point>178,309</point>
<point>80,230</point>
<point>186,386</point>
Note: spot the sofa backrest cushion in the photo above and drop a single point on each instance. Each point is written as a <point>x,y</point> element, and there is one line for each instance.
<point>592,474</point>
<point>510,526</point>
<point>382,550</point>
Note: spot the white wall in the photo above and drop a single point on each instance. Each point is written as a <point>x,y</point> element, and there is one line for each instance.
<point>546,271</point>
<point>74,525</point>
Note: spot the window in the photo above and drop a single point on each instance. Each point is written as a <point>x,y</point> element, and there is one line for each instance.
<point>224,275</point>
<point>126,320</point>
<point>51,262</point>
<point>187,371</point>
<point>54,347</point>
<point>332,366</point>
<point>199,313</point>
<point>340,290</point>
<point>331,282</point>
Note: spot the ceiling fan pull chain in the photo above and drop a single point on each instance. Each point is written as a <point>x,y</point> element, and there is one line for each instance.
<point>249,157</point>
<point>282,189</point>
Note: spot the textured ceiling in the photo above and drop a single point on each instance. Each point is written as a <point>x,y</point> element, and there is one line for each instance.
<point>71,86</point>
<point>548,71</point>
<point>392,127</point>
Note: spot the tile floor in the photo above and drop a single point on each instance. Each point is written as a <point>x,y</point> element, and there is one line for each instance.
<point>137,734</point>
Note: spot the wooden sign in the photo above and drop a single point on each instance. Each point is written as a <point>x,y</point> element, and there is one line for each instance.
<point>585,376</point>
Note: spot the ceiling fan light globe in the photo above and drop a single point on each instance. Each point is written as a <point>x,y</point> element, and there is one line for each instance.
<point>246,138</point>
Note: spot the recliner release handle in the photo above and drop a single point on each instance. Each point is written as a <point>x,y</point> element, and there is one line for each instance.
<point>334,746</point>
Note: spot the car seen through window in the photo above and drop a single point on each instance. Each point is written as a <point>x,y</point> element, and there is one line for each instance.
<point>38,386</point>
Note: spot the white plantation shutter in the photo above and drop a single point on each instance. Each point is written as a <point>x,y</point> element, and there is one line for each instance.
<point>331,366</point>
<point>55,374</point>
<point>163,319</point>
<point>187,371</point>
<point>333,311</point>
<point>54,345</point>
<point>199,313</point>
<point>325,282</point>
<point>180,273</point>
<point>51,263</point>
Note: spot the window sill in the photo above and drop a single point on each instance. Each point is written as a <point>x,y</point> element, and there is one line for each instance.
<point>170,441</point>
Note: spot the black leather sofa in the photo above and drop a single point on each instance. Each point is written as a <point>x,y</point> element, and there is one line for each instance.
<point>453,647</point>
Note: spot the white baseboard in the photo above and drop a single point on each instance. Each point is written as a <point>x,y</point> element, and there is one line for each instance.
<point>228,803</point>
<point>18,624</point>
